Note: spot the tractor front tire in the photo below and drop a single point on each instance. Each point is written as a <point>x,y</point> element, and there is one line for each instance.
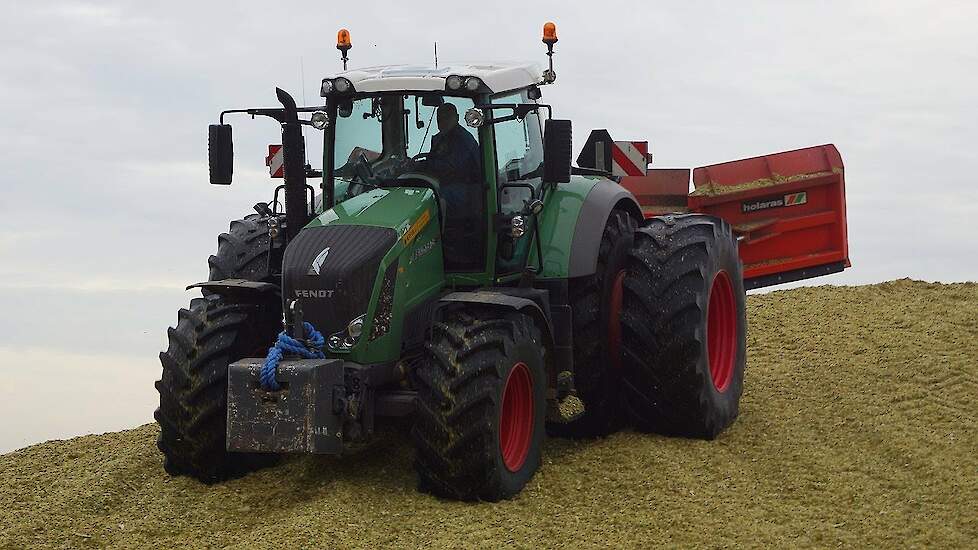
<point>481,405</point>
<point>684,327</point>
<point>242,252</point>
<point>192,414</point>
<point>596,303</point>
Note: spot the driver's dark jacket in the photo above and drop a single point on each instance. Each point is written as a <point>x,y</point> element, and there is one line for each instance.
<point>454,157</point>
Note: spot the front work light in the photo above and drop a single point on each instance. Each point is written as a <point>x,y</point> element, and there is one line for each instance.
<point>319,120</point>
<point>474,118</point>
<point>342,85</point>
<point>473,83</point>
<point>454,82</point>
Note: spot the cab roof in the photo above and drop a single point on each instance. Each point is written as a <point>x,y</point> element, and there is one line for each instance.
<point>498,77</point>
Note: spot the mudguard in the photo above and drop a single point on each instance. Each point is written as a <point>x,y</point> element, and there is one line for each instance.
<point>558,351</point>
<point>573,221</point>
<point>604,197</point>
<point>236,288</point>
<point>506,301</point>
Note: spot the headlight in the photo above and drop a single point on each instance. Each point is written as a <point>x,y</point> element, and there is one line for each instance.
<point>453,82</point>
<point>342,85</point>
<point>355,328</point>
<point>327,88</point>
<point>346,339</point>
<point>473,83</point>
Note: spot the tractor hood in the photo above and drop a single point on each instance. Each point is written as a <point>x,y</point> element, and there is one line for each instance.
<point>394,208</point>
<point>334,264</point>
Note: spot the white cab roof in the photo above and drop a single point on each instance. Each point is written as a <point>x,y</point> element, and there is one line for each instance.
<point>499,77</point>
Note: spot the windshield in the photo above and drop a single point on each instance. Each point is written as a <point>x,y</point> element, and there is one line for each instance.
<point>386,136</point>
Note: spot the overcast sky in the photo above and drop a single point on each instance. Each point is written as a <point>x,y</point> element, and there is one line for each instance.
<point>106,212</point>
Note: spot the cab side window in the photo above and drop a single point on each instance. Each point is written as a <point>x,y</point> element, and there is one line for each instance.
<point>519,154</point>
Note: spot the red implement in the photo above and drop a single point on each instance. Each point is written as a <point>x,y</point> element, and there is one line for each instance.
<point>787,209</point>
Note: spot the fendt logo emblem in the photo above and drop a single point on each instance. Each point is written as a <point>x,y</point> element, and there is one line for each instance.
<point>317,263</point>
<point>318,293</point>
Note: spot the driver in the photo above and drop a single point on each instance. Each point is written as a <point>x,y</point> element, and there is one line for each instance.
<point>454,158</point>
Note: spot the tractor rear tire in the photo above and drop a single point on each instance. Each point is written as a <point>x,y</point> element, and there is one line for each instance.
<point>193,389</point>
<point>684,327</point>
<point>481,405</point>
<point>596,303</point>
<point>242,252</point>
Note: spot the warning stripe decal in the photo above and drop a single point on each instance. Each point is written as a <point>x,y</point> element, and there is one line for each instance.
<point>629,158</point>
<point>275,161</point>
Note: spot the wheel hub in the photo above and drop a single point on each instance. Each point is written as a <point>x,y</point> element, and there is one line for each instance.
<point>516,417</point>
<point>721,330</point>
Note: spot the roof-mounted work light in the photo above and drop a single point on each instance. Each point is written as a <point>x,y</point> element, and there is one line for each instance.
<point>453,82</point>
<point>549,38</point>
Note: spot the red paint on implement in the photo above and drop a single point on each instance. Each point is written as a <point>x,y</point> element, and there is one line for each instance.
<point>777,240</point>
<point>721,331</point>
<point>614,319</point>
<point>516,417</point>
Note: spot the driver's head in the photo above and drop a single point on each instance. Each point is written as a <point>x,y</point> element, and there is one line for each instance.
<point>447,116</point>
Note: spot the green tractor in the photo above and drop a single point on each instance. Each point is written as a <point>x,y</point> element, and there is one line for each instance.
<point>484,289</point>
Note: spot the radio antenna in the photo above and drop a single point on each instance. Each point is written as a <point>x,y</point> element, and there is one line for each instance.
<point>302,80</point>
<point>436,55</point>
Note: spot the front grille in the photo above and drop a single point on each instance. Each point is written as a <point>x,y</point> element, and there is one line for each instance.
<point>341,289</point>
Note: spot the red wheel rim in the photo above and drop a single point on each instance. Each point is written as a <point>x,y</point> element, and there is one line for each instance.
<point>614,319</point>
<point>516,417</point>
<point>721,331</point>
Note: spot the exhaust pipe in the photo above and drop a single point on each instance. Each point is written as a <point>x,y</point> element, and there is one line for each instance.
<point>294,160</point>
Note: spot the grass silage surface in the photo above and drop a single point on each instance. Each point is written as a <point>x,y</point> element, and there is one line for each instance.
<point>857,428</point>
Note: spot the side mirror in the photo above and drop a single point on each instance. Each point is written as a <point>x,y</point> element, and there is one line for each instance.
<point>220,153</point>
<point>557,151</point>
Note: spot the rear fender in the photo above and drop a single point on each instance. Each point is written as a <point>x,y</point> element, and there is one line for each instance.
<point>604,197</point>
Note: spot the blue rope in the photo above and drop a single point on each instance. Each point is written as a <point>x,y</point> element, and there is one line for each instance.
<point>287,344</point>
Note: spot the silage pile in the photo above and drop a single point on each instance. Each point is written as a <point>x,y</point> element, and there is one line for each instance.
<point>858,428</point>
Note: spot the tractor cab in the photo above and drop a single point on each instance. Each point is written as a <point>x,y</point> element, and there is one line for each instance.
<point>471,134</point>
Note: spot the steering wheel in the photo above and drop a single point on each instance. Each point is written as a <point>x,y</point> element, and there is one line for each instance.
<point>365,173</point>
<point>363,169</point>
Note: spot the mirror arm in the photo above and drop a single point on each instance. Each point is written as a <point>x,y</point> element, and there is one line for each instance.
<point>278,114</point>
<point>520,110</point>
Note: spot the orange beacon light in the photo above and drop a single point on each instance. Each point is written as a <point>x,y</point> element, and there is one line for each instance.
<point>549,33</point>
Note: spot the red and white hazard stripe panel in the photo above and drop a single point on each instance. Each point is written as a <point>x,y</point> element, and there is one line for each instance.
<point>275,161</point>
<point>629,158</point>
